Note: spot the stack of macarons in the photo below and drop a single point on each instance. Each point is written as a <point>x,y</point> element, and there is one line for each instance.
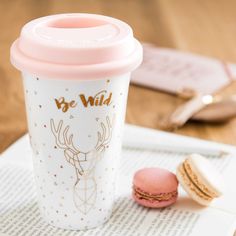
<point>157,188</point>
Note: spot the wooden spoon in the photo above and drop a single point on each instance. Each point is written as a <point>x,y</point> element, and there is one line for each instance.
<point>206,108</point>
<point>221,110</point>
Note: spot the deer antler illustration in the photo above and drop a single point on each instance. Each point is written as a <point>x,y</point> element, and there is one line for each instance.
<point>105,137</point>
<point>71,153</point>
<point>85,187</point>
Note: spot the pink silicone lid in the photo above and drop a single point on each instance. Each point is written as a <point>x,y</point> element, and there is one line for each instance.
<point>76,46</point>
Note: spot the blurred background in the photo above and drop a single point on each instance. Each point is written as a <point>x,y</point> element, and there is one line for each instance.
<point>206,27</point>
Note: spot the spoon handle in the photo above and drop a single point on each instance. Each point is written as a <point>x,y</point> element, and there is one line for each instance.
<point>184,112</point>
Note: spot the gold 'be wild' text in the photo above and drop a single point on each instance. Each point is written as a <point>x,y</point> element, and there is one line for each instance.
<point>99,99</point>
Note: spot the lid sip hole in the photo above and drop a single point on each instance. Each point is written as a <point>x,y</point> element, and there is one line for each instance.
<point>76,22</point>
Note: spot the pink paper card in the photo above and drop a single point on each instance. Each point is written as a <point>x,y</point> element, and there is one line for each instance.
<point>173,71</point>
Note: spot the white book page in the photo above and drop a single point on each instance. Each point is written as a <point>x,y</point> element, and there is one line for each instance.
<point>19,214</point>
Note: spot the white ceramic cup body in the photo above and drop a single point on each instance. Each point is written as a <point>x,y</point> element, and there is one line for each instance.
<point>75,130</point>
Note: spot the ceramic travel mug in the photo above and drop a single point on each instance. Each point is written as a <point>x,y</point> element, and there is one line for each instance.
<point>76,71</point>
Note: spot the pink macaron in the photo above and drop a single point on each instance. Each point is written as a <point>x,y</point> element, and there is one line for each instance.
<point>155,187</point>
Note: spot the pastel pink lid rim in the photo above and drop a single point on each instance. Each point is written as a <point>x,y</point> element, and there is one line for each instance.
<point>60,53</point>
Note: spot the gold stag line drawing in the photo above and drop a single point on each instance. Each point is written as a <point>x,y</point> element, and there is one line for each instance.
<point>85,187</point>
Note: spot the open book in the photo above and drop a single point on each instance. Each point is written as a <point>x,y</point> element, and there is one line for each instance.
<point>19,214</point>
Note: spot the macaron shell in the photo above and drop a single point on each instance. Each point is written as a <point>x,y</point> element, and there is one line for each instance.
<point>190,188</point>
<point>206,174</point>
<point>155,180</point>
<point>197,180</point>
<point>154,204</point>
